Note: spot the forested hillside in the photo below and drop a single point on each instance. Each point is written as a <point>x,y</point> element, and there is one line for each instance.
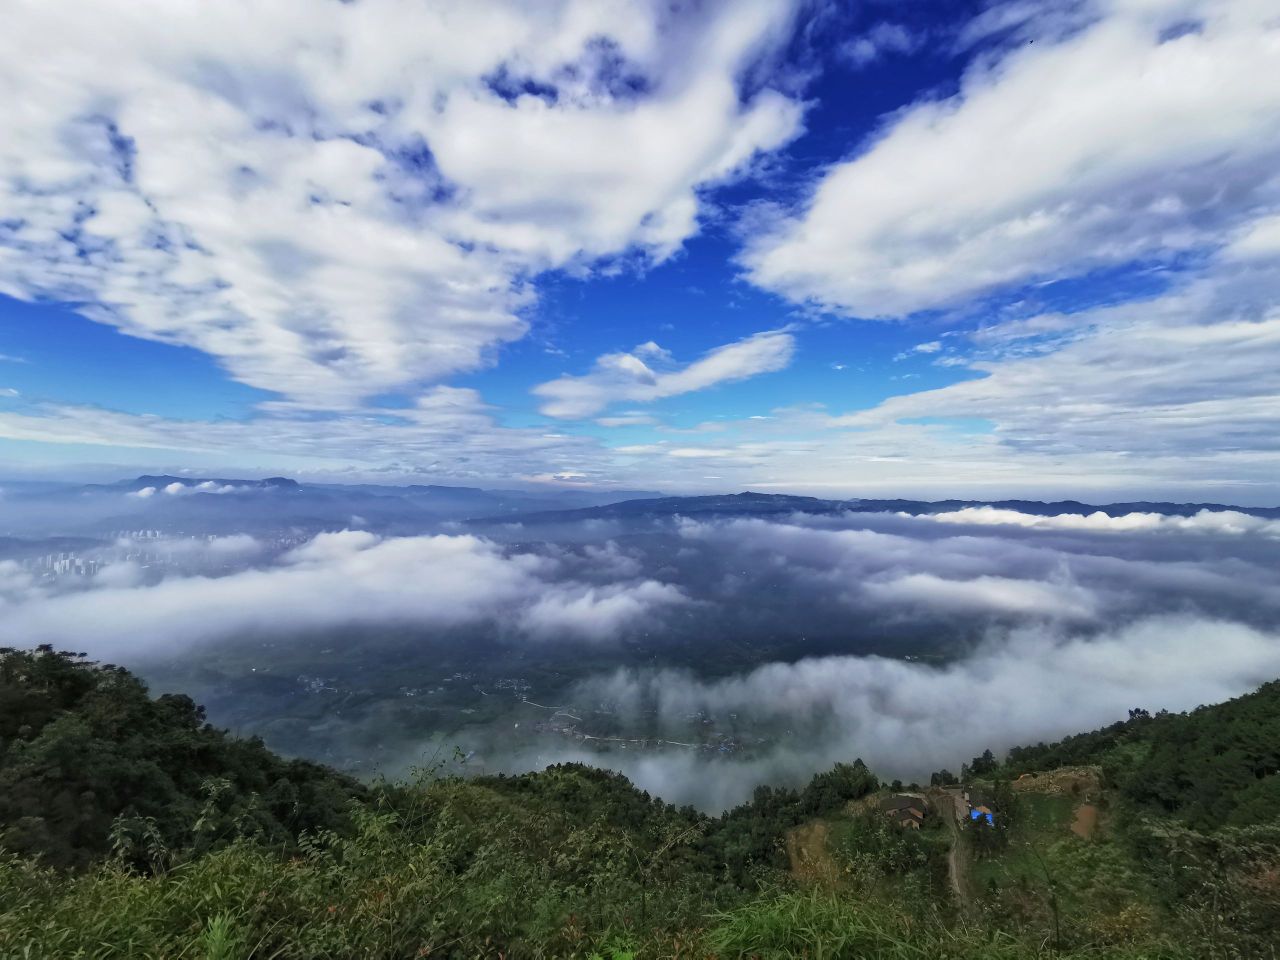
<point>133,829</point>
<point>87,757</point>
<point>1213,767</point>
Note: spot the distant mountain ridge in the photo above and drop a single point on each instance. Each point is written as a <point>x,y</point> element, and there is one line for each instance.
<point>750,503</point>
<point>213,505</point>
<point>218,504</point>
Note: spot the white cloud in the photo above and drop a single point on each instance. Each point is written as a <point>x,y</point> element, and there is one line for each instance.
<point>1215,522</point>
<point>914,569</point>
<point>598,612</point>
<point>1259,241</point>
<point>904,719</point>
<point>633,419</point>
<point>449,429</point>
<point>179,489</point>
<point>1092,146</point>
<point>986,594</point>
<point>235,547</point>
<point>933,346</point>
<point>348,198</point>
<point>336,579</point>
<point>882,39</point>
<point>628,378</point>
<point>1191,374</point>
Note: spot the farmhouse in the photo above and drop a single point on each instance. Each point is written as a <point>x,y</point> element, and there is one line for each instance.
<point>905,810</point>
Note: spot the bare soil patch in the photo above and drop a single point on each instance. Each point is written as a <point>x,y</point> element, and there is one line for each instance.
<point>1085,823</point>
<point>809,856</point>
<point>1072,781</point>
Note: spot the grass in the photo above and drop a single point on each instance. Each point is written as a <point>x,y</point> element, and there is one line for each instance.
<point>817,925</point>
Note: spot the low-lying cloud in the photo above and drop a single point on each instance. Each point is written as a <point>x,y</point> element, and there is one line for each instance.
<point>1215,522</point>
<point>348,578</point>
<point>914,642</point>
<point>908,719</point>
<point>179,489</point>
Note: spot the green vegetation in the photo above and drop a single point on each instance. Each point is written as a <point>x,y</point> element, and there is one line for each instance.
<point>132,829</point>
<point>88,762</point>
<point>1211,768</point>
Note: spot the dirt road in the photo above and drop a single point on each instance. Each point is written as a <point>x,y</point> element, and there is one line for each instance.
<point>958,856</point>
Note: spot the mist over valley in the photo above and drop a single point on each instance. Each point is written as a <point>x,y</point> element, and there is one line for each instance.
<point>702,646</point>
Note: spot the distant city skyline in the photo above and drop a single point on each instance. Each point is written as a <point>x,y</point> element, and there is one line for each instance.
<point>933,249</point>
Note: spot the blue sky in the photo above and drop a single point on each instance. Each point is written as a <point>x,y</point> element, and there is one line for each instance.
<point>987,249</point>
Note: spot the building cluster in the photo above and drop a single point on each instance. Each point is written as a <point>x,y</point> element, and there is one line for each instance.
<point>906,810</point>
<point>977,805</point>
<point>316,684</point>
<point>517,685</point>
<point>61,565</point>
<point>150,549</point>
<point>911,810</point>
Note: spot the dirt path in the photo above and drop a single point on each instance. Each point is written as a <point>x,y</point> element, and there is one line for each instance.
<point>958,856</point>
<point>808,854</point>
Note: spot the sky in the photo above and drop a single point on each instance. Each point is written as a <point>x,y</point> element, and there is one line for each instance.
<point>1024,248</point>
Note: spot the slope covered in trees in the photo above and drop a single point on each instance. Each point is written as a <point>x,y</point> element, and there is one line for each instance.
<point>130,828</point>
<point>1210,768</point>
<point>86,754</point>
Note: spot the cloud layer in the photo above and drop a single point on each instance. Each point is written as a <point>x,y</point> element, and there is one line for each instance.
<point>1214,522</point>
<point>914,642</point>
<point>1140,133</point>
<point>351,198</point>
<point>348,578</point>
<point>907,720</point>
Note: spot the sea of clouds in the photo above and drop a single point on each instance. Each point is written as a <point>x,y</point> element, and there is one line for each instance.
<point>1046,625</point>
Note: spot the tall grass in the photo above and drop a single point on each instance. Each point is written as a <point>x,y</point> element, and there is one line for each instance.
<point>817,925</point>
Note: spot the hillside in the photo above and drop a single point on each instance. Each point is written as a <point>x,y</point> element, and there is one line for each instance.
<point>133,829</point>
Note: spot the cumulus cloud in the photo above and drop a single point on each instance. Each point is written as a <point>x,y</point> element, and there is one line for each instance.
<point>646,374</point>
<point>352,197</point>
<point>1098,144</point>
